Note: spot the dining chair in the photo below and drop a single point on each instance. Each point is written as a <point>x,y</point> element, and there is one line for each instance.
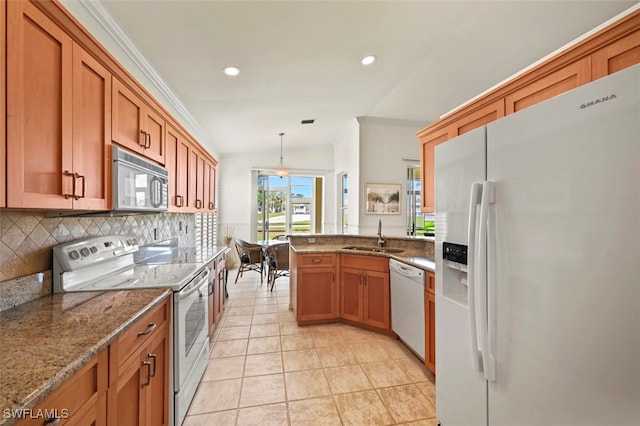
<point>278,261</point>
<point>251,258</point>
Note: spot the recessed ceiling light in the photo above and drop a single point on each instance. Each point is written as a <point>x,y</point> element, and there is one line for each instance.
<point>232,71</point>
<point>368,60</point>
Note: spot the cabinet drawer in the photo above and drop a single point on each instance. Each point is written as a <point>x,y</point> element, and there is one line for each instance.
<point>368,263</point>
<point>430,285</point>
<point>311,260</point>
<point>143,329</point>
<point>82,393</point>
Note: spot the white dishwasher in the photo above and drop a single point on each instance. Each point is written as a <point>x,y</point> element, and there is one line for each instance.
<point>407,304</point>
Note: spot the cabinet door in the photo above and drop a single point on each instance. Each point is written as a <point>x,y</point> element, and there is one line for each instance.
<point>427,165</point>
<point>126,121</point>
<point>126,399</point>
<point>91,132</point>
<point>195,178</point>
<point>478,118</point>
<point>616,56</point>
<point>39,107</point>
<point>200,181</point>
<point>3,116</point>
<point>158,398</point>
<point>430,331</point>
<point>211,300</point>
<point>153,126</point>
<point>210,186</point>
<point>221,272</point>
<point>351,283</point>
<point>567,78</point>
<point>177,162</point>
<point>430,284</point>
<point>376,301</point>
<point>317,294</point>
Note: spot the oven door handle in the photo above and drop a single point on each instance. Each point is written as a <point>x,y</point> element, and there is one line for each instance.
<point>200,281</point>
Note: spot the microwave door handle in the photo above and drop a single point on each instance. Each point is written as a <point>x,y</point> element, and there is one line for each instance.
<point>155,191</point>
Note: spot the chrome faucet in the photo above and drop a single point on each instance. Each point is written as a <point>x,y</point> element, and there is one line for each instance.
<point>381,240</point>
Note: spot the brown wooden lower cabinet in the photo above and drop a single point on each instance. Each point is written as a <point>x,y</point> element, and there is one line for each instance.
<point>139,372</point>
<point>81,400</point>
<point>217,281</point>
<point>430,322</point>
<point>364,290</point>
<point>316,284</point>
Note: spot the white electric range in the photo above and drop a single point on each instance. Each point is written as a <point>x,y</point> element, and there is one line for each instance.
<point>109,263</point>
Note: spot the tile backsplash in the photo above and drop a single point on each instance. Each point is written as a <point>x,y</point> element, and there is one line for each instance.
<point>26,238</point>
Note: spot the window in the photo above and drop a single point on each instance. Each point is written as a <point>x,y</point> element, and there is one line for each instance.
<point>288,205</point>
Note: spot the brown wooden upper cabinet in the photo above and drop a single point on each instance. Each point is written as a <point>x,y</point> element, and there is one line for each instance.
<point>58,106</point>
<point>209,186</point>
<point>616,56</point>
<point>567,78</point>
<point>135,125</point>
<point>478,118</point>
<point>428,143</point>
<point>177,162</point>
<point>607,51</point>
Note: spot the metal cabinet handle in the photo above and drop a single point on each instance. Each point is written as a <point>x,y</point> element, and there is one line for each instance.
<point>366,279</point>
<point>316,260</point>
<point>150,328</point>
<point>147,139</point>
<point>154,357</point>
<point>144,144</point>
<point>361,276</point>
<point>198,204</point>
<point>210,205</point>
<point>179,201</point>
<point>84,186</point>
<point>73,185</point>
<point>148,365</point>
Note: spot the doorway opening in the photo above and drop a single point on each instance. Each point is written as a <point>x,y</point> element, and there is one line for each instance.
<point>289,205</point>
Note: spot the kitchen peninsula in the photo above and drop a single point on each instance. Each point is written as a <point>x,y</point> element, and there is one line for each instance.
<point>346,277</point>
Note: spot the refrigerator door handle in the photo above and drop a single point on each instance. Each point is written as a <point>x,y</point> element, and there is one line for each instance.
<point>488,365</point>
<point>474,199</point>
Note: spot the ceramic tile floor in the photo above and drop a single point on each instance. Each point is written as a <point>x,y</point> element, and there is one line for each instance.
<point>266,370</point>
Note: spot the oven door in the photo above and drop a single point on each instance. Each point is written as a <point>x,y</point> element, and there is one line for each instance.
<point>190,329</point>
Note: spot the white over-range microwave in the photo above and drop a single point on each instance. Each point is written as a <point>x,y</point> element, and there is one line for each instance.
<point>138,184</point>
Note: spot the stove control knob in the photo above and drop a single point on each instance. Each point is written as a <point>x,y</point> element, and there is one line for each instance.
<point>84,251</point>
<point>93,249</point>
<point>74,255</point>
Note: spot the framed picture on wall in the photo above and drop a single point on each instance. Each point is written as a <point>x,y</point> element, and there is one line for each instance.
<point>383,198</point>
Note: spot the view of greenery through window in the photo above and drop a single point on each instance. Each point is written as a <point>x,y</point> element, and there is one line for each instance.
<point>285,205</point>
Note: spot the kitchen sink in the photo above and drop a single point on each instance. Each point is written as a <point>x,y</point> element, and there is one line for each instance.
<point>374,249</point>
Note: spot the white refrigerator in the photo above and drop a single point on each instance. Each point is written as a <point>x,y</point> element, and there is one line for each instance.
<point>538,263</point>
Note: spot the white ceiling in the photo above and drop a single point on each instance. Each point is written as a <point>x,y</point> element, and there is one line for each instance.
<point>301,59</point>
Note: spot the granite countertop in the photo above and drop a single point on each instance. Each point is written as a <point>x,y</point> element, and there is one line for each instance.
<point>45,341</point>
<point>410,256</point>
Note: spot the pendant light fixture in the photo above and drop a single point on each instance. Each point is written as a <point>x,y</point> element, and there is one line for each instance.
<point>281,171</point>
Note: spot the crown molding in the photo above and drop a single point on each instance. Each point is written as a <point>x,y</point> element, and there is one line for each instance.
<point>101,14</point>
